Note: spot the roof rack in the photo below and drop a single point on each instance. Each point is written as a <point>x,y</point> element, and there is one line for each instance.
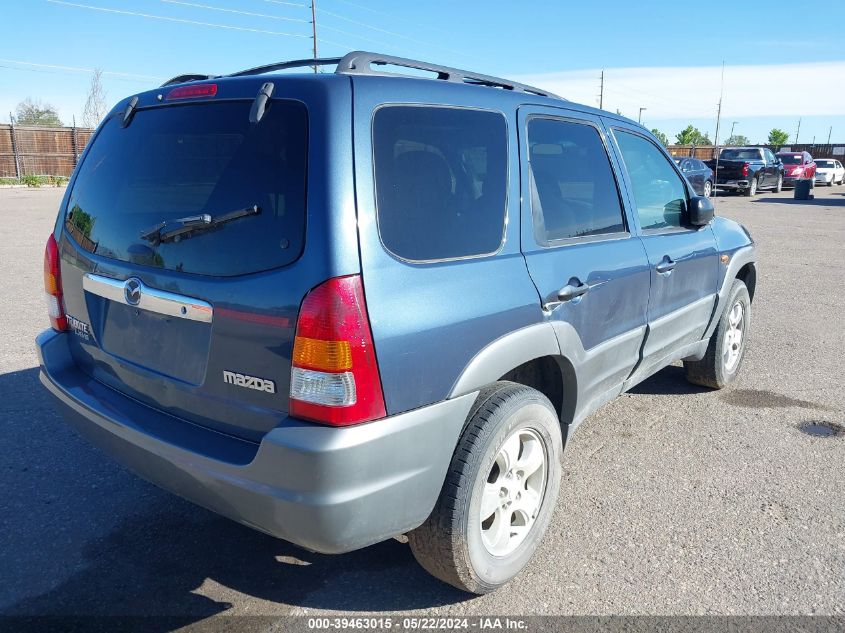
<point>361,63</point>
<point>296,63</point>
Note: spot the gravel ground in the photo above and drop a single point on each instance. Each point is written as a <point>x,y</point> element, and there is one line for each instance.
<point>674,500</point>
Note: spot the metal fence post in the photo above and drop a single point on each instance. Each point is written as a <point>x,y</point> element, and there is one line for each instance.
<point>75,143</point>
<point>15,147</point>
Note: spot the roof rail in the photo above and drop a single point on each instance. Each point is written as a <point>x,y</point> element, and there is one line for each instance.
<point>296,63</point>
<point>179,79</point>
<point>361,63</point>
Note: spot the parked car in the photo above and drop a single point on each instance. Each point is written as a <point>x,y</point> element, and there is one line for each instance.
<point>747,169</point>
<point>829,171</point>
<point>699,175</point>
<point>320,304</point>
<point>797,166</point>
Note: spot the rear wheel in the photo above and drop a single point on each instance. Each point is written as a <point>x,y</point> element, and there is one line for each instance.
<point>499,493</point>
<point>752,188</point>
<point>708,189</point>
<point>726,349</point>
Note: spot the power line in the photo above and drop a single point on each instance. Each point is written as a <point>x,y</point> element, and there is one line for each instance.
<point>79,70</point>
<point>249,13</point>
<point>288,4</point>
<point>391,16</point>
<point>380,30</point>
<point>179,20</point>
<point>356,35</point>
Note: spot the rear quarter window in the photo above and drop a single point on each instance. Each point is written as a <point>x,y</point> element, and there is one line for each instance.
<point>441,181</point>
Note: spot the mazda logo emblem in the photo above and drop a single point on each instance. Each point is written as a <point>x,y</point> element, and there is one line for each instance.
<point>132,291</point>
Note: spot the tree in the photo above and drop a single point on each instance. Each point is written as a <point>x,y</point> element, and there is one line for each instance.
<point>95,104</point>
<point>691,135</point>
<point>33,112</point>
<point>778,137</point>
<point>737,139</point>
<point>660,136</point>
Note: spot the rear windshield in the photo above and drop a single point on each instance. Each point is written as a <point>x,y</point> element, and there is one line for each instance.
<point>791,160</point>
<point>824,163</point>
<point>740,154</point>
<point>181,161</point>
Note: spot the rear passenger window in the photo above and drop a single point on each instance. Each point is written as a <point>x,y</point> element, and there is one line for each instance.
<point>573,191</point>
<point>441,181</point>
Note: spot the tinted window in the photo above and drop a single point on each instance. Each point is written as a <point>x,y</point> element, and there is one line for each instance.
<point>441,178</point>
<point>573,190</point>
<point>659,192</point>
<point>740,154</point>
<point>791,159</point>
<point>824,163</point>
<point>700,166</point>
<point>179,161</point>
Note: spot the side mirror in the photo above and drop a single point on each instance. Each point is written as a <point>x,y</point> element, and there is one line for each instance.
<point>701,211</point>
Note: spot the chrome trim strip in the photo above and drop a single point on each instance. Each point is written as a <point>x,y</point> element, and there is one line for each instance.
<point>151,299</point>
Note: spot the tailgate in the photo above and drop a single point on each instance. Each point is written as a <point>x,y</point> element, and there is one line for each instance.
<point>170,305</point>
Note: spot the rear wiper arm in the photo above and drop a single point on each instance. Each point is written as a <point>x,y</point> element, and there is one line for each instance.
<point>183,228</point>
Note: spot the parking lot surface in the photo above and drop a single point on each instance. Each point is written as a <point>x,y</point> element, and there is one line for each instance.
<point>674,499</point>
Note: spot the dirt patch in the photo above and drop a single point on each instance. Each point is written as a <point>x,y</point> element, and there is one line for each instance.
<point>762,399</point>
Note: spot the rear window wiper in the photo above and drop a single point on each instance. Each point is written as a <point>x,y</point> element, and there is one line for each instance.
<point>183,228</point>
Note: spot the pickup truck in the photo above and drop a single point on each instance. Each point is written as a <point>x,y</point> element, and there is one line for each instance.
<point>747,169</point>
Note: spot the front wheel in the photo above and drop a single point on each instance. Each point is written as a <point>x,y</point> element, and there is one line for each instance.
<point>708,189</point>
<point>726,349</point>
<point>779,186</point>
<point>499,493</point>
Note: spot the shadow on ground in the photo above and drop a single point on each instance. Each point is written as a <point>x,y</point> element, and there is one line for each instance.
<point>669,381</point>
<point>139,551</point>
<point>817,201</point>
<point>119,546</point>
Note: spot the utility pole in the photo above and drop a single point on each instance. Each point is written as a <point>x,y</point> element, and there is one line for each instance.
<point>719,111</point>
<point>733,125</point>
<point>601,91</point>
<point>640,117</point>
<point>829,132</point>
<point>797,131</point>
<point>314,28</point>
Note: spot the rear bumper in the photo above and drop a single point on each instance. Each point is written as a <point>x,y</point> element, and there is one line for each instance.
<point>733,184</point>
<point>326,489</point>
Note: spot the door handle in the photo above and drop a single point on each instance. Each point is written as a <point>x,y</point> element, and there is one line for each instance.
<point>666,265</point>
<point>569,292</point>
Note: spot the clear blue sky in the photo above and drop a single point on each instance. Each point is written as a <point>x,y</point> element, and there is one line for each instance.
<point>547,41</point>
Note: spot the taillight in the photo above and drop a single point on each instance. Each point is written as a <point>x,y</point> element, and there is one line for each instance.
<point>194,91</point>
<point>53,286</point>
<point>745,169</point>
<point>334,375</point>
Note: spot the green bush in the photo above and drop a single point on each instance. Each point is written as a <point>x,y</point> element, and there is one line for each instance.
<point>36,181</point>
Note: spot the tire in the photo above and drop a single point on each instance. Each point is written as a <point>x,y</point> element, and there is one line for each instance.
<point>715,370</point>
<point>779,187</point>
<point>752,188</point>
<point>708,189</point>
<point>830,184</point>
<point>453,544</point>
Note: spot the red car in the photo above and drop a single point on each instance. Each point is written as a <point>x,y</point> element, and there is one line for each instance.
<point>797,166</point>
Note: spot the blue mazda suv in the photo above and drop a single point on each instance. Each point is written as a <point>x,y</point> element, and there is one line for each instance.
<point>341,307</point>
